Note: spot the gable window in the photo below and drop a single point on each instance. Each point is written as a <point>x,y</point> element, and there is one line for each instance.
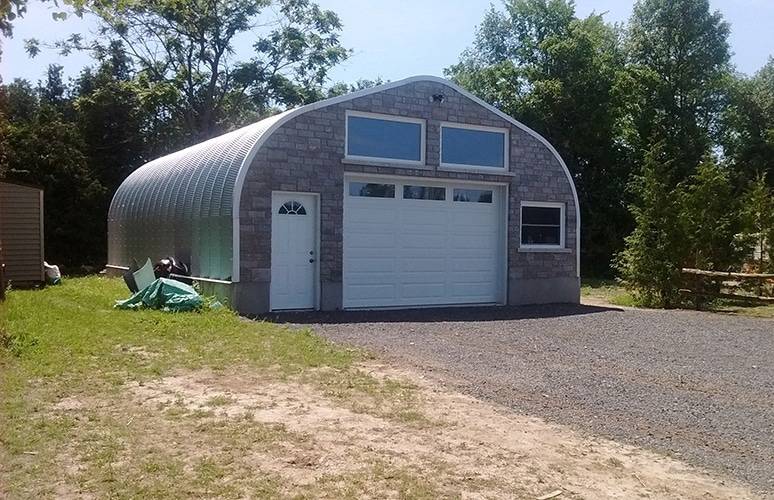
<point>385,138</point>
<point>542,225</point>
<point>474,147</point>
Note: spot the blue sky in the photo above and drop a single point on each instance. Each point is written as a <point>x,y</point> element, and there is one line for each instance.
<point>399,38</point>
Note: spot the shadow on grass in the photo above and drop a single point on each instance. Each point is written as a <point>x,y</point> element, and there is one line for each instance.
<point>437,314</point>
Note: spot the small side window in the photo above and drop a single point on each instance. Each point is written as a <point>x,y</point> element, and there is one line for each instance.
<point>542,225</point>
<point>473,195</point>
<point>424,193</point>
<point>372,190</point>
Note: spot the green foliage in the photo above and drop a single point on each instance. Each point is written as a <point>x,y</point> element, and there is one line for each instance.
<point>346,88</point>
<point>46,148</point>
<point>564,77</point>
<point>748,126</point>
<point>678,57</point>
<point>758,221</point>
<point>709,219</point>
<point>650,263</point>
<point>185,52</point>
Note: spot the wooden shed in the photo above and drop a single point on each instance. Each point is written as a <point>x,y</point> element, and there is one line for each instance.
<point>21,233</point>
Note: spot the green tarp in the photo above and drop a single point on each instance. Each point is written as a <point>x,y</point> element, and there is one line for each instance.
<point>164,294</point>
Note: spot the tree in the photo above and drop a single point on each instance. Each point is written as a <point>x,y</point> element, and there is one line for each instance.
<point>709,217</point>
<point>111,121</point>
<point>185,52</point>
<point>758,221</point>
<point>679,62</point>
<point>564,77</point>
<point>650,263</point>
<point>347,88</point>
<point>748,126</point>
<point>45,148</point>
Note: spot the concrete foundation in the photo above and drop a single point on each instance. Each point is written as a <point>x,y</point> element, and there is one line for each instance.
<point>543,291</point>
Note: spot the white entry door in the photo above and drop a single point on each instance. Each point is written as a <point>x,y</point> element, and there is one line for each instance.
<point>293,251</point>
<point>417,242</point>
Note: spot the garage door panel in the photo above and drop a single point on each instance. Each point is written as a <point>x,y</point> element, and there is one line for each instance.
<point>368,240</point>
<point>423,241</point>
<point>363,279</point>
<point>482,291</point>
<point>418,277</point>
<point>423,290</point>
<point>373,215</point>
<point>373,265</point>
<point>473,264</point>
<point>421,252</point>
<point>421,215</point>
<point>367,295</point>
<point>422,263</point>
<point>472,241</point>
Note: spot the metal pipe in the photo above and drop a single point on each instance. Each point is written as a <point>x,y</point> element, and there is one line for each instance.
<point>173,275</point>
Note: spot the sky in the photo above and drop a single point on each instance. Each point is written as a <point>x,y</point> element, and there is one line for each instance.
<point>398,38</point>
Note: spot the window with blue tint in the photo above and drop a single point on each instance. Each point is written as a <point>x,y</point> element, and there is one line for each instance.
<point>472,147</point>
<point>382,138</point>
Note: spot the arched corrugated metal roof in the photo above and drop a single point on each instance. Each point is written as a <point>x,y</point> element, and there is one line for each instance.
<point>183,203</point>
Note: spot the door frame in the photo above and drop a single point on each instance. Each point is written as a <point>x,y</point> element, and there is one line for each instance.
<point>503,190</point>
<point>316,273</point>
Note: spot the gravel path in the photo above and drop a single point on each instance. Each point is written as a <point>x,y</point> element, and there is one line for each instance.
<point>696,386</point>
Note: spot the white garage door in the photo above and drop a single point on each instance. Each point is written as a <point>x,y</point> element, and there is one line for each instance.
<point>414,243</point>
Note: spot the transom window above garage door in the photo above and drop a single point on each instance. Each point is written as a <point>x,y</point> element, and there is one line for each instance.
<point>424,193</point>
<point>473,147</point>
<point>473,195</point>
<point>372,190</point>
<point>542,225</point>
<point>385,138</point>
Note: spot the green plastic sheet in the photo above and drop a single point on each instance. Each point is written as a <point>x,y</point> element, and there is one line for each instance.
<point>164,294</point>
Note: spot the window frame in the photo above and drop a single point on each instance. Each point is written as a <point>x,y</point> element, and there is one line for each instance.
<point>562,224</point>
<point>479,128</point>
<point>393,118</point>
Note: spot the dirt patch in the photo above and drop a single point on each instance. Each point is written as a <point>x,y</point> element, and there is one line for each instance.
<point>473,448</point>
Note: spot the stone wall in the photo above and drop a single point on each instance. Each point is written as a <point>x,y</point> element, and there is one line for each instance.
<point>307,154</point>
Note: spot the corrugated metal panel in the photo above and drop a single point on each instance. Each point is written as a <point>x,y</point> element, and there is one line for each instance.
<point>21,232</point>
<point>182,204</point>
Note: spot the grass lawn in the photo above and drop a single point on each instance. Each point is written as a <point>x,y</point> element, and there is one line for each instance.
<point>606,291</point>
<point>72,369</point>
<point>101,403</point>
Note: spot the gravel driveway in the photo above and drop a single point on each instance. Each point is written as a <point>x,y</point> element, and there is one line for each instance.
<point>696,386</point>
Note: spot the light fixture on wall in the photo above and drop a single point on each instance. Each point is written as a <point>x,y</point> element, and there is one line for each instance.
<point>437,98</point>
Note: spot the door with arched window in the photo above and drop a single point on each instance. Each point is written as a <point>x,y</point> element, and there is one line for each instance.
<point>294,260</point>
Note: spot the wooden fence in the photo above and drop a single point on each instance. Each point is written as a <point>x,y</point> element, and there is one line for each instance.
<point>745,287</point>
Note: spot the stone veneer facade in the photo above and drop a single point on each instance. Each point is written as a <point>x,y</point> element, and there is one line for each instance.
<point>306,154</point>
